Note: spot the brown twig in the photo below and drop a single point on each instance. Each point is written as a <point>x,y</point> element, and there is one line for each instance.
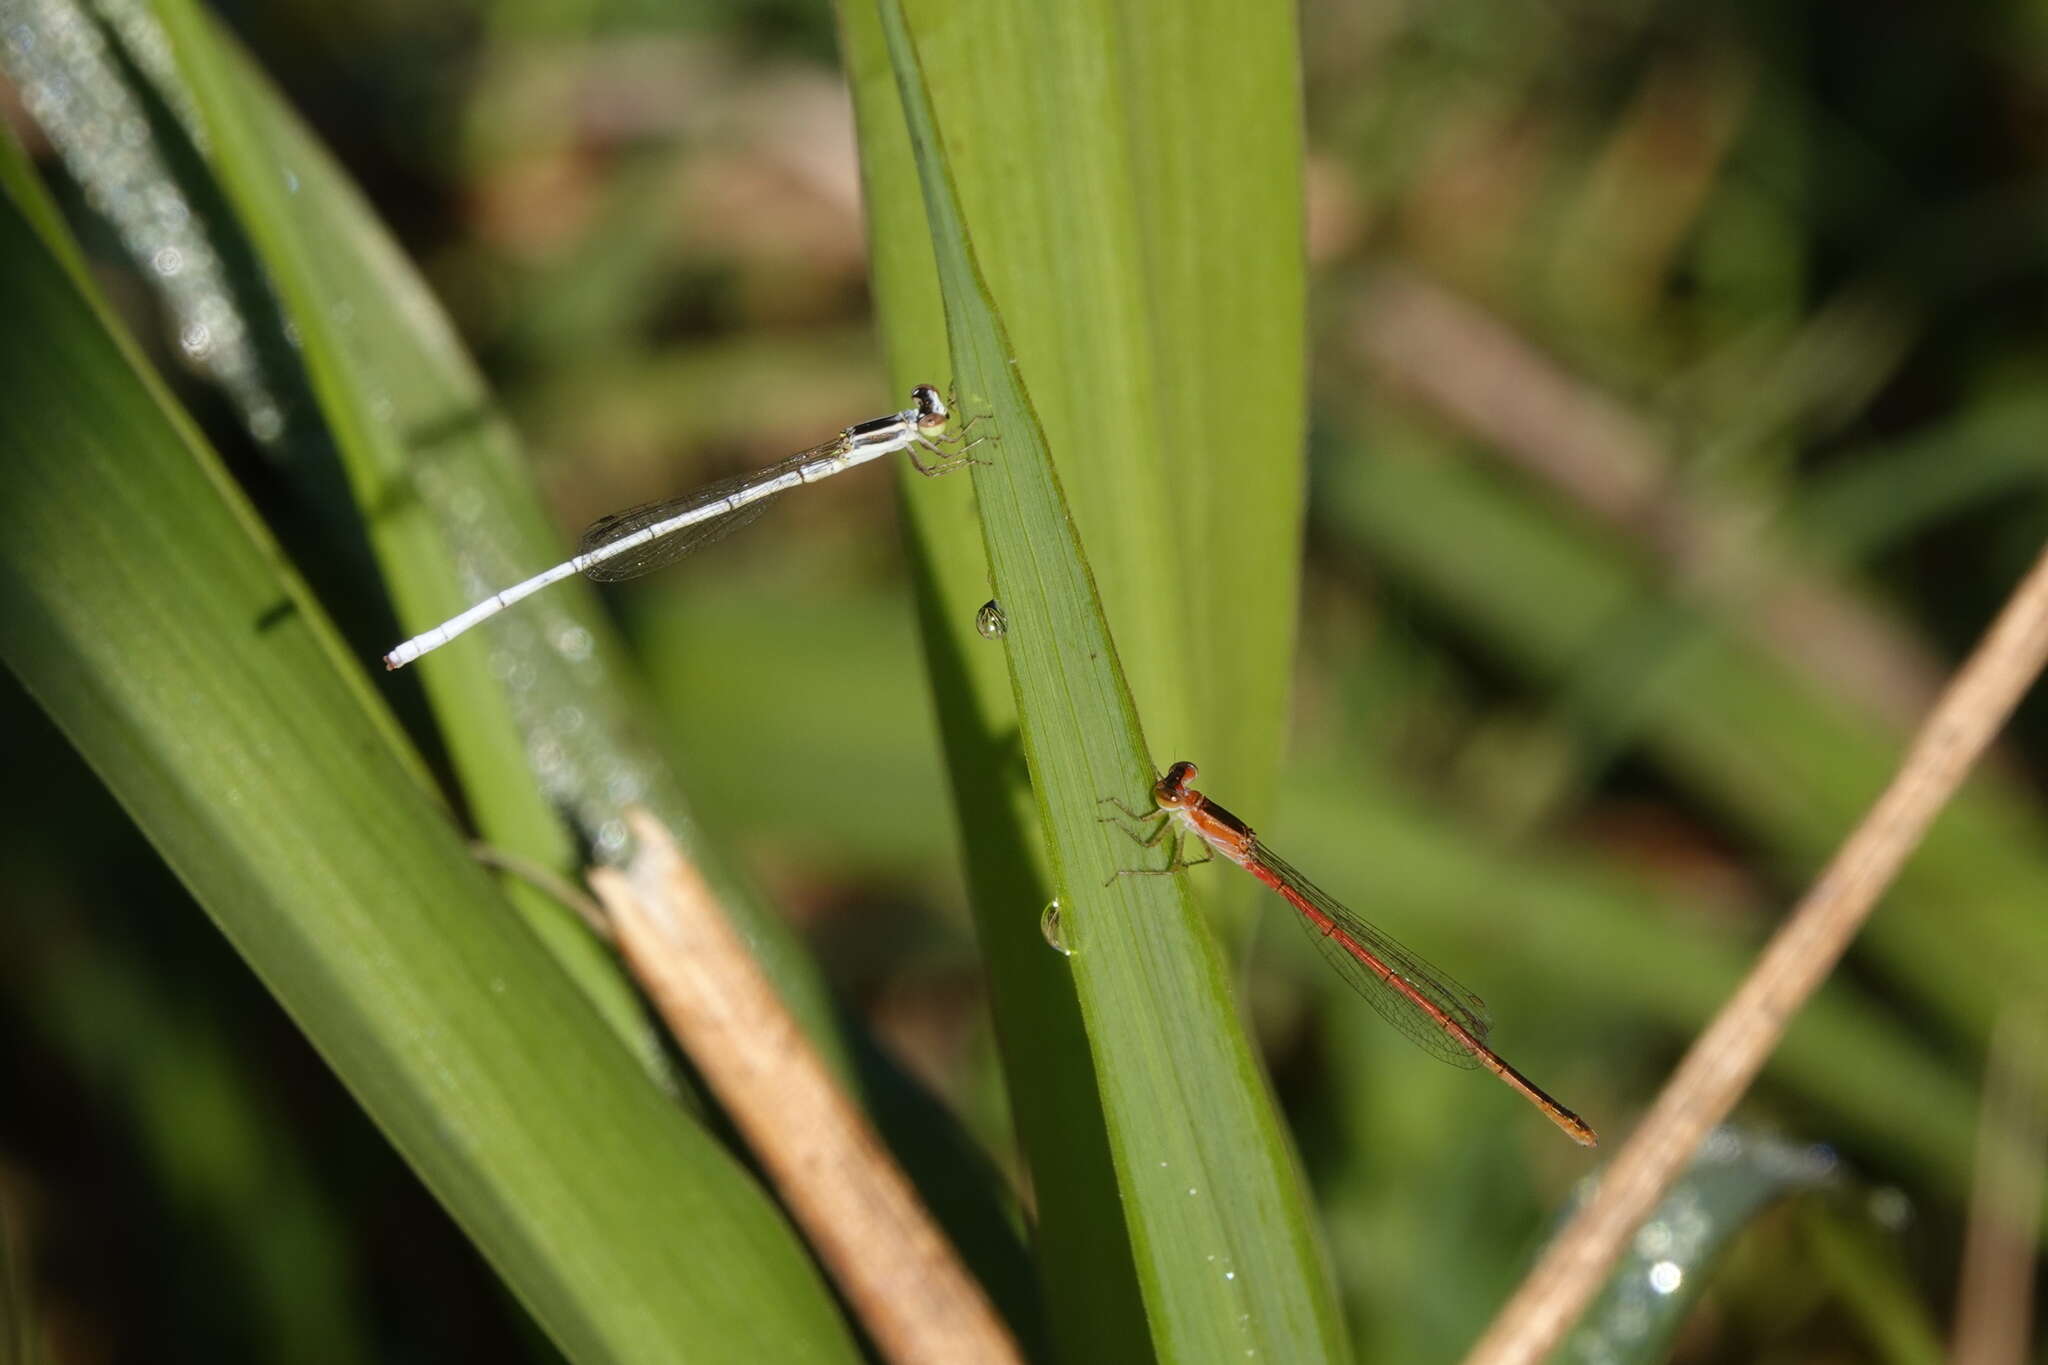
<point>1995,1290</point>
<point>861,1215</point>
<point>1728,1055</point>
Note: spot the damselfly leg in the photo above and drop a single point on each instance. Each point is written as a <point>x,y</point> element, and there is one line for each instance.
<point>1159,828</point>
<point>948,460</point>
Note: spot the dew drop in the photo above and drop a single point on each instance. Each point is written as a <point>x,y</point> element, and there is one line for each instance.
<point>989,622</point>
<point>1049,926</point>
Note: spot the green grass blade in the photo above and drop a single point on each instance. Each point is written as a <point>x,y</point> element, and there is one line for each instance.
<point>145,609</point>
<point>1879,497</point>
<point>539,713</point>
<point>1872,1278</point>
<point>1133,173</point>
<point>452,513</point>
<point>404,373</point>
<point>1094,1303</point>
<point>1225,1258</point>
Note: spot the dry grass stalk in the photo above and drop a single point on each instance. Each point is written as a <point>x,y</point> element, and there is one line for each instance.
<point>916,1300</point>
<point>1732,1050</point>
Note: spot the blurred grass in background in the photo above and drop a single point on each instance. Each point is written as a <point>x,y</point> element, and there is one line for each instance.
<point>1677,418</point>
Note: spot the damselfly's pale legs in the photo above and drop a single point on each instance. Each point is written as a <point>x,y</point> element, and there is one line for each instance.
<point>643,539</point>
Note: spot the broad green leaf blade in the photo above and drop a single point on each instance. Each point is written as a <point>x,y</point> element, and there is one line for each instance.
<point>157,190</point>
<point>1231,339</point>
<point>539,709</point>
<point>546,718</point>
<point>1224,1255</point>
<point>144,608</point>
<point>1133,173</point>
<point>1093,1301</point>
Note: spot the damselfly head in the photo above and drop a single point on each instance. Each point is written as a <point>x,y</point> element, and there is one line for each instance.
<point>1172,789</point>
<point>932,412</point>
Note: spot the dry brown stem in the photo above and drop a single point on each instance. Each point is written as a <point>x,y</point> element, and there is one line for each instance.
<point>1727,1056</point>
<point>862,1217</point>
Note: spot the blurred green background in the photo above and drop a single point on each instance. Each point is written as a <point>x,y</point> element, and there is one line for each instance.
<point>1676,422</point>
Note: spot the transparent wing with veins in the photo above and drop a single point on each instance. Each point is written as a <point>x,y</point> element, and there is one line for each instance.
<point>666,550</point>
<point>1394,1006</point>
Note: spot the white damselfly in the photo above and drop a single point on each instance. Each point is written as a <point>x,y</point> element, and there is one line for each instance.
<point>643,539</point>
